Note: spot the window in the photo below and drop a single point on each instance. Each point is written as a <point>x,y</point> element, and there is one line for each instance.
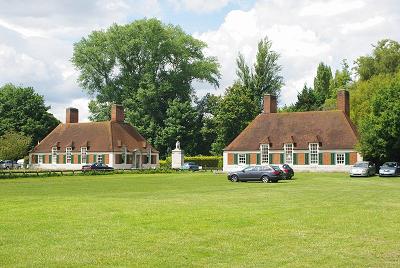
<point>264,148</point>
<point>123,156</point>
<point>99,158</point>
<point>54,154</point>
<point>242,159</point>
<point>340,159</point>
<point>40,159</point>
<point>84,155</point>
<point>68,154</point>
<point>313,147</point>
<point>288,153</point>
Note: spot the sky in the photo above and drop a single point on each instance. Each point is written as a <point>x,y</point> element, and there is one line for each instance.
<point>37,37</point>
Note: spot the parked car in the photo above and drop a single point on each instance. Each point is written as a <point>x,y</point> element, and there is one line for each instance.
<point>9,164</point>
<point>190,166</point>
<point>97,166</point>
<point>363,169</point>
<point>389,169</point>
<point>257,173</point>
<point>288,172</point>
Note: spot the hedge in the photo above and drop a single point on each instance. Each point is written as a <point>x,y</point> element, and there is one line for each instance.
<point>204,161</point>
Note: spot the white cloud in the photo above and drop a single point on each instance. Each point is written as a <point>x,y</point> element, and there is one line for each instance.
<point>36,39</point>
<point>330,8</point>
<point>359,26</point>
<point>304,33</point>
<point>199,6</point>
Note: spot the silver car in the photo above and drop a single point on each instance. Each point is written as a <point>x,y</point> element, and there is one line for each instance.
<point>363,169</point>
<point>389,169</point>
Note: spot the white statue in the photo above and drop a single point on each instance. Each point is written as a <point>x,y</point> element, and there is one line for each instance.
<point>178,145</point>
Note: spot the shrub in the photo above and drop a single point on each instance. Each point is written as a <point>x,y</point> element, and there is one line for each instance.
<point>206,161</point>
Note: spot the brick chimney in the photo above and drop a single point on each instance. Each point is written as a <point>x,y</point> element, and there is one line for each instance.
<point>72,115</point>
<point>117,113</point>
<point>270,104</point>
<point>343,101</point>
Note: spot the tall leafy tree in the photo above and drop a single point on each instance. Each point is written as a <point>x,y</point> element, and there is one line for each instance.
<point>233,115</point>
<point>146,66</point>
<point>14,145</point>
<point>380,129</point>
<point>24,111</point>
<point>322,82</point>
<point>207,108</point>
<point>306,100</point>
<point>180,124</point>
<point>264,77</point>
<point>341,80</point>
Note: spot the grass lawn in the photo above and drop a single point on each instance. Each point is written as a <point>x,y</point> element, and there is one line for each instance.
<point>201,219</point>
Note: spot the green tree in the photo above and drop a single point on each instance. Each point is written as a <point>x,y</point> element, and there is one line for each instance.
<point>385,59</point>
<point>264,77</point>
<point>233,115</point>
<point>180,124</point>
<point>341,80</point>
<point>207,108</point>
<point>14,145</point>
<point>23,110</point>
<point>380,129</point>
<point>322,82</point>
<point>144,65</point>
<point>306,100</point>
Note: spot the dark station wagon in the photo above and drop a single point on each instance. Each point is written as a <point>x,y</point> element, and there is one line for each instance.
<point>257,173</point>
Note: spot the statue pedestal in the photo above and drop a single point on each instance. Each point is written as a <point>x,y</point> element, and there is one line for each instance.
<point>177,158</point>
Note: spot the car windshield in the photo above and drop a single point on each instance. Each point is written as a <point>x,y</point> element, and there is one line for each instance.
<point>389,164</point>
<point>362,164</point>
<point>248,169</point>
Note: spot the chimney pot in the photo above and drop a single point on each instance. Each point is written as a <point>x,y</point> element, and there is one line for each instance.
<point>117,113</point>
<point>72,115</point>
<point>343,101</point>
<point>270,104</point>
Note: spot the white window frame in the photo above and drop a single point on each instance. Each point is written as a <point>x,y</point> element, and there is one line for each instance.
<point>242,159</point>
<point>84,155</point>
<point>99,158</point>
<point>54,153</point>
<point>314,153</point>
<point>288,150</point>
<point>340,160</point>
<point>68,155</point>
<point>264,153</point>
<point>40,159</point>
<point>124,155</point>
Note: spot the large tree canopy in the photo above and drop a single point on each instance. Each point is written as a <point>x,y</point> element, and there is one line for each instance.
<point>385,59</point>
<point>23,110</point>
<point>147,66</point>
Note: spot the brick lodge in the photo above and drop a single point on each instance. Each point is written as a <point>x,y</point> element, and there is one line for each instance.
<point>73,144</point>
<point>309,141</point>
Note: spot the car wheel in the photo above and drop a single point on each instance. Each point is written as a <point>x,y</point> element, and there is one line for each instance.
<point>265,179</point>
<point>234,178</point>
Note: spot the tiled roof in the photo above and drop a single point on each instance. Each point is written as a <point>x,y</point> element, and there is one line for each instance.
<point>107,136</point>
<point>332,129</point>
